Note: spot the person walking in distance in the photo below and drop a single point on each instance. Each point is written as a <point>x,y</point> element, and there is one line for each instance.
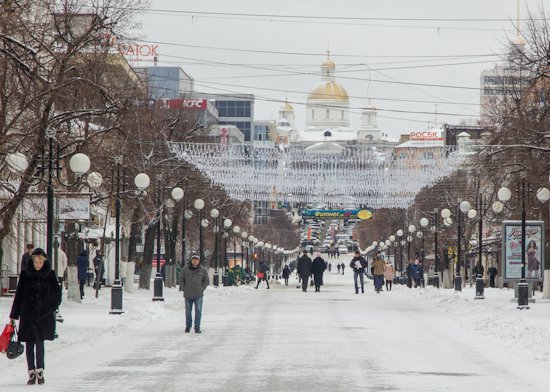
<point>26,257</point>
<point>388,275</point>
<point>492,275</point>
<point>262,274</point>
<point>358,264</point>
<point>286,274</point>
<point>318,266</point>
<point>37,297</point>
<point>61,266</point>
<point>99,268</point>
<point>304,269</point>
<point>82,268</point>
<point>338,267</point>
<point>343,266</point>
<point>379,265</point>
<point>193,280</point>
<point>408,272</point>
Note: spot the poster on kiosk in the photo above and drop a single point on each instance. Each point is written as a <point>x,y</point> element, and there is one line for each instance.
<point>533,248</point>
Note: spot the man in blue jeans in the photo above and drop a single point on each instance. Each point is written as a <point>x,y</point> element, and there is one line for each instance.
<point>358,263</point>
<point>193,281</point>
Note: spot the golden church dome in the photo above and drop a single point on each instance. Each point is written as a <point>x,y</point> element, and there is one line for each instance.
<point>287,107</point>
<point>328,91</point>
<point>328,63</point>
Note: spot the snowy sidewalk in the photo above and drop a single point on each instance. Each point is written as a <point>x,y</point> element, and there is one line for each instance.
<point>285,340</point>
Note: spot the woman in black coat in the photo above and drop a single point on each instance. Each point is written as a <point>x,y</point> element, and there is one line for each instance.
<point>37,298</point>
<point>317,268</point>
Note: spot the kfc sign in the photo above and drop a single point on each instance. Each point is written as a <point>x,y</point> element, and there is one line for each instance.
<point>426,135</point>
<point>194,104</point>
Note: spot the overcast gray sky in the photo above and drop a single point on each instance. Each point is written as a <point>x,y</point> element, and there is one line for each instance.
<point>369,53</point>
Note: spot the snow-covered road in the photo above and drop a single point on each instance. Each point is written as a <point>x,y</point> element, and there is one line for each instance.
<point>285,340</point>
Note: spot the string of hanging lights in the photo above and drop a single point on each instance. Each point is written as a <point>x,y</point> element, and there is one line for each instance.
<point>377,177</point>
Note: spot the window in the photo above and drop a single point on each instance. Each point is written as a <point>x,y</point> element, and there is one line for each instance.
<point>328,113</point>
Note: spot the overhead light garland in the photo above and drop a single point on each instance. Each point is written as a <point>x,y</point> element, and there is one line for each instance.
<point>388,177</point>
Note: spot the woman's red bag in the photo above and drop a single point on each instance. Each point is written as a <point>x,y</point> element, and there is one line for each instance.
<point>260,275</point>
<point>5,338</point>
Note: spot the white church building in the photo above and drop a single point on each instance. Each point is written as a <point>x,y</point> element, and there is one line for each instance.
<point>327,115</point>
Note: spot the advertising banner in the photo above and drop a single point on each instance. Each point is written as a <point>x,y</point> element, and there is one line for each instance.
<point>74,207</point>
<point>512,250</point>
<point>338,214</point>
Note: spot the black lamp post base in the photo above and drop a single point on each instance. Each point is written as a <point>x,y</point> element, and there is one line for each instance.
<point>523,295</point>
<point>480,287</point>
<point>157,284</point>
<point>225,280</point>
<point>458,283</point>
<point>435,280</point>
<point>216,279</point>
<point>116,298</point>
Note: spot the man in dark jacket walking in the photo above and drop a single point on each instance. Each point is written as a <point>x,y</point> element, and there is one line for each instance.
<point>26,257</point>
<point>304,269</point>
<point>318,266</point>
<point>193,280</point>
<point>82,268</point>
<point>358,263</point>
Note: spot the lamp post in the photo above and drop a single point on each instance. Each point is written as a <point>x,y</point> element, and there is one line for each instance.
<point>199,205</point>
<point>504,194</point>
<point>250,243</point>
<point>401,243</point>
<point>226,225</point>
<point>79,165</point>
<point>214,213</point>
<point>236,231</point>
<point>412,229</point>
<point>141,181</point>
<point>158,283</point>
<point>394,243</point>
<point>436,250</point>
<point>472,213</point>
<point>179,194</point>
<point>244,236</point>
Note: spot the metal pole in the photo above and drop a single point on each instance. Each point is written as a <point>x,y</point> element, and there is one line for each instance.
<point>242,254</point>
<point>116,289</point>
<point>201,244</point>
<point>458,277</point>
<point>480,284</point>
<point>50,207</point>
<point>523,287</point>
<point>436,250</point>
<point>216,277</point>
<point>158,283</point>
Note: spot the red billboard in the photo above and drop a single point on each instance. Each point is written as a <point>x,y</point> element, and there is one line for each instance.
<point>178,103</point>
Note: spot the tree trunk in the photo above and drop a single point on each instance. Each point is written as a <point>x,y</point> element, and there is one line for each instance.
<point>146,261</point>
<point>73,289</point>
<point>129,286</point>
<point>135,234</point>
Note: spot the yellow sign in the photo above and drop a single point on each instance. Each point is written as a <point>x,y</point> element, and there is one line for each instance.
<point>364,214</point>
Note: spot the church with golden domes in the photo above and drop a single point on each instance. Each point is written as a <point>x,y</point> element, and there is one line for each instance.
<point>327,114</point>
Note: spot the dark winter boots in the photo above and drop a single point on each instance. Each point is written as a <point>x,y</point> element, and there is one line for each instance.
<point>40,376</point>
<point>32,377</point>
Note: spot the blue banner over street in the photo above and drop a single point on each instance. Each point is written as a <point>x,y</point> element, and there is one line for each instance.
<point>338,214</point>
